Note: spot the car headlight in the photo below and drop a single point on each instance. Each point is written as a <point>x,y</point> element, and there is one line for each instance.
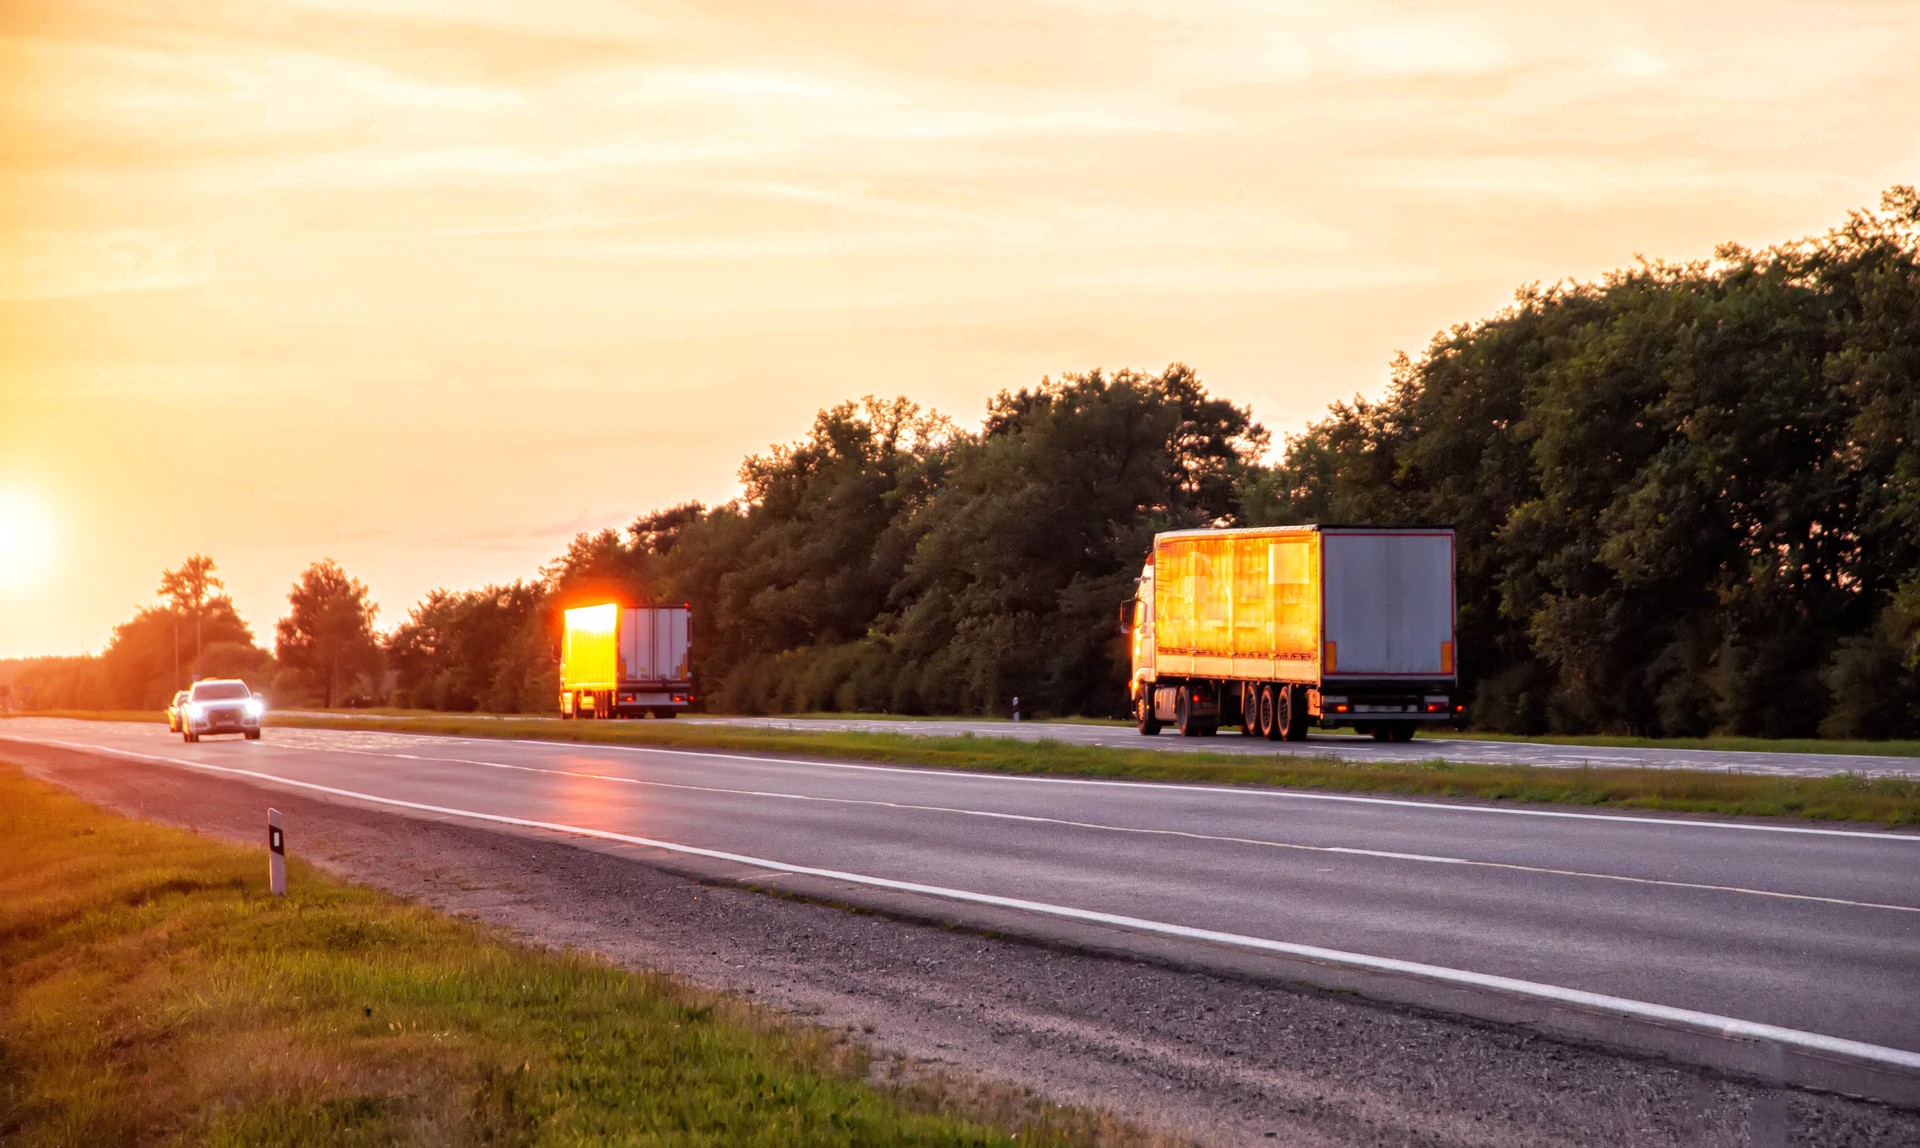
<point>254,708</point>
<point>195,710</point>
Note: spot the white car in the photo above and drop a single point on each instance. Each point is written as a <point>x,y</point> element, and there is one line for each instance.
<point>220,705</point>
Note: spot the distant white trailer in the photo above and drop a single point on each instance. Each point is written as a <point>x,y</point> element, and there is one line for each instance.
<point>626,661</point>
<point>1279,628</point>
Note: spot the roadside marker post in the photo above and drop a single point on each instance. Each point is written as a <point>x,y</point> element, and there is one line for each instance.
<point>276,854</point>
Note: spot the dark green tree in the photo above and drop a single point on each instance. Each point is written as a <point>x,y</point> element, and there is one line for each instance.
<point>1026,552</point>
<point>327,637</point>
<point>1682,492</point>
<point>486,649</point>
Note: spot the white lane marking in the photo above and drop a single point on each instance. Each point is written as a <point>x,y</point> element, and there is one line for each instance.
<point>1710,1024</point>
<point>1352,851</point>
<point>1162,787</point>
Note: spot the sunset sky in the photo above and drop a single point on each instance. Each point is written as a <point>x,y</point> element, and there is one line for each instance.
<point>427,287</point>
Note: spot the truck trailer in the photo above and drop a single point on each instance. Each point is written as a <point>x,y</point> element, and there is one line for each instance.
<point>1279,628</point>
<point>626,661</point>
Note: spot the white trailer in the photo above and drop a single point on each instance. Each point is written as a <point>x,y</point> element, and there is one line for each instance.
<point>1278,628</point>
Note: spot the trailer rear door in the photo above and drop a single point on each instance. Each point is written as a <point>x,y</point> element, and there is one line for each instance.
<point>1389,603</point>
<point>654,643</point>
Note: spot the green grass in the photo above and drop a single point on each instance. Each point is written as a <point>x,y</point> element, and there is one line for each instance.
<point>1721,742</point>
<point>152,993</point>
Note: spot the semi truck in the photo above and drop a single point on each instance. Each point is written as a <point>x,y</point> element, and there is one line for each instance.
<point>626,661</point>
<point>1276,629</point>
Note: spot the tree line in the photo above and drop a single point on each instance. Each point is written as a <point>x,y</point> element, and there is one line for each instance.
<point>326,652</point>
<point>1687,499</point>
<point>1688,496</point>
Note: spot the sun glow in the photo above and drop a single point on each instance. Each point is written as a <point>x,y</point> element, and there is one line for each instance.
<point>26,540</point>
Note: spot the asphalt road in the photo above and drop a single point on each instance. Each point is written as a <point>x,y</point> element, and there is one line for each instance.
<point>1816,930</point>
<point>1352,747</point>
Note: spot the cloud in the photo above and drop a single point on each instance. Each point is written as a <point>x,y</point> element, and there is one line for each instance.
<point>1428,45</point>
<point>55,265</point>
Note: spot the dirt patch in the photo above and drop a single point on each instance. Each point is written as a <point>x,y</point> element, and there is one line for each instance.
<point>1216,1058</point>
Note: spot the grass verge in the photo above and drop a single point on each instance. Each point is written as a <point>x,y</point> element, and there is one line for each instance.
<point>1725,742</point>
<point>1845,797</point>
<point>152,993</point>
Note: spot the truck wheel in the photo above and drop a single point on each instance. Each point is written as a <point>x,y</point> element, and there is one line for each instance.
<point>1401,733</point>
<point>1380,733</point>
<point>1143,718</point>
<point>253,735</point>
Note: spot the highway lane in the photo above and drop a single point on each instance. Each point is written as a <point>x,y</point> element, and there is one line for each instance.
<point>1812,929</point>
<point>1352,747</point>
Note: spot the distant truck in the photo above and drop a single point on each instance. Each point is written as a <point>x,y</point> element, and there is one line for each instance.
<point>1278,628</point>
<point>626,661</point>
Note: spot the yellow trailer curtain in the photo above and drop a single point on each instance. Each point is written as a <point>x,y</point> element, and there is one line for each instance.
<point>1239,596</point>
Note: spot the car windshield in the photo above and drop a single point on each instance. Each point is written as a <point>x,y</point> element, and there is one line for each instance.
<point>220,691</point>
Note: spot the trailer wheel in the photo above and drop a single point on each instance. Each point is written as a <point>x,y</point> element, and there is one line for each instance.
<point>1379,732</point>
<point>1249,710</point>
<point>1403,732</point>
<point>1143,718</point>
<point>1189,725</point>
<point>1296,712</point>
